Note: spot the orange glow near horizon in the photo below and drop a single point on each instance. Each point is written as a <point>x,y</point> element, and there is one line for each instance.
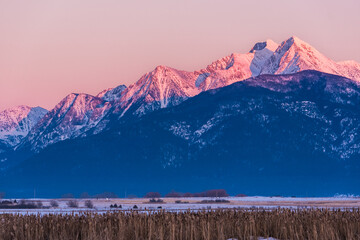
<point>49,49</point>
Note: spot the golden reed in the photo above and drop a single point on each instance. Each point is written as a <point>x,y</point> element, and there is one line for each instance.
<point>213,224</point>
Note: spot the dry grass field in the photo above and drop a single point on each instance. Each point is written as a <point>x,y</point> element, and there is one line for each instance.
<point>210,224</point>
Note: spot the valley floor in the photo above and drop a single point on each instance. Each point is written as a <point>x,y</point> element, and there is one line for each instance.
<point>184,204</point>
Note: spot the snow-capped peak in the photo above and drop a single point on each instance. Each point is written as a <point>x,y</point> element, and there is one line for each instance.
<point>160,68</point>
<point>162,87</point>
<point>71,117</point>
<point>16,122</point>
<point>294,55</point>
<point>166,86</point>
<point>237,66</point>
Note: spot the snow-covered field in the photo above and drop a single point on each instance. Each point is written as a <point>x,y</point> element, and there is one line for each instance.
<point>194,204</point>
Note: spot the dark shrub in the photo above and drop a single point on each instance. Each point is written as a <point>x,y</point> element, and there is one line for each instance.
<point>26,204</point>
<point>72,204</point>
<point>153,200</point>
<point>54,203</point>
<point>89,204</point>
<point>215,201</point>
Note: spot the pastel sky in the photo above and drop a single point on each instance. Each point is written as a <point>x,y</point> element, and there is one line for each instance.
<point>50,48</point>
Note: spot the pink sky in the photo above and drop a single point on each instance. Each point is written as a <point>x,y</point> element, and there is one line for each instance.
<point>50,48</point>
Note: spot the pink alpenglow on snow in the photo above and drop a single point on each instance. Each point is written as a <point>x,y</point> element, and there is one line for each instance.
<point>52,48</point>
<point>163,87</point>
<point>16,122</point>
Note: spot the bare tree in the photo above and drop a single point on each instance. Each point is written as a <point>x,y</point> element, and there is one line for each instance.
<point>89,204</point>
<point>54,203</point>
<point>72,204</point>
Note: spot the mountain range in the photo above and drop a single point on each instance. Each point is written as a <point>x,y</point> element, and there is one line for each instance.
<point>282,118</point>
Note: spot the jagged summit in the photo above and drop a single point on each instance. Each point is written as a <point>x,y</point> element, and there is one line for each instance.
<point>297,44</point>
<point>111,94</point>
<point>166,86</point>
<point>294,55</point>
<point>71,117</point>
<point>160,68</point>
<point>269,44</point>
<point>160,88</point>
<point>103,92</point>
<point>268,57</point>
<point>295,39</point>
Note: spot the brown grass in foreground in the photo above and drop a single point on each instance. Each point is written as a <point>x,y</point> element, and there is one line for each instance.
<point>216,224</point>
